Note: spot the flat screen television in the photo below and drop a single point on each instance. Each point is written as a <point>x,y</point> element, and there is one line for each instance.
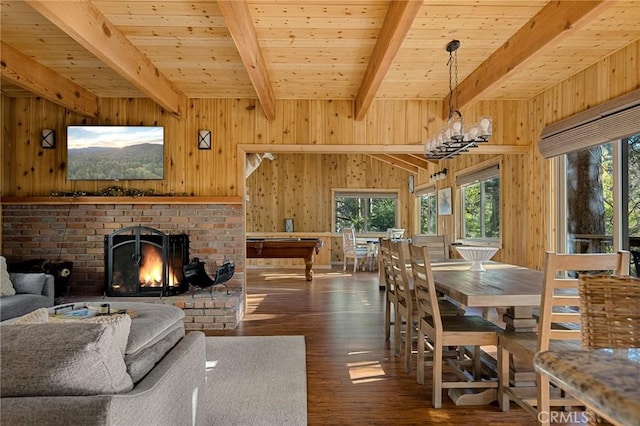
<point>115,153</point>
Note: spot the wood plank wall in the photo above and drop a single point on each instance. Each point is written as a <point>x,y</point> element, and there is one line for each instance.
<point>305,179</point>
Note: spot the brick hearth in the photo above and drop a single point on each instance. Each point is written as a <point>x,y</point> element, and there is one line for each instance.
<point>201,312</point>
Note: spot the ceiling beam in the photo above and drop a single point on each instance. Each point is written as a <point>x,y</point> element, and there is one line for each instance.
<point>396,25</point>
<point>83,22</point>
<point>417,160</point>
<point>44,82</point>
<point>390,159</point>
<point>238,19</point>
<point>554,22</point>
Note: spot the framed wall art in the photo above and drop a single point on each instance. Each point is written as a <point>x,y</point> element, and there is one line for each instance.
<point>444,201</point>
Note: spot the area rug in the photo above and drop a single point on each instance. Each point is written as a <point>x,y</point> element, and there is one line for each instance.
<point>251,381</point>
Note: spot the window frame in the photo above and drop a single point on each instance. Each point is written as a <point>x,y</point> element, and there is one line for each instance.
<point>620,173</point>
<point>430,190</point>
<point>479,173</point>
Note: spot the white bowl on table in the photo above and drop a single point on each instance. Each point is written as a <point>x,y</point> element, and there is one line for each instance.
<point>477,255</point>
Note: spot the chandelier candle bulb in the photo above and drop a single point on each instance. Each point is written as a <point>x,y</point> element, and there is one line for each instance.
<point>456,128</point>
<point>486,124</point>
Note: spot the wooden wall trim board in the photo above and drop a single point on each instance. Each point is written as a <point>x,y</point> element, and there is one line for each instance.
<point>120,200</point>
<point>372,149</point>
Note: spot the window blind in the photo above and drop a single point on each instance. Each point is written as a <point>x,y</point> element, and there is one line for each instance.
<point>616,119</point>
<point>431,189</point>
<point>477,176</point>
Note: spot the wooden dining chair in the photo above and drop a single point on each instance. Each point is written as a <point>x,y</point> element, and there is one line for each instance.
<point>558,329</point>
<point>438,245</point>
<point>437,333</point>
<point>405,305</point>
<point>391,299</point>
<point>406,308</point>
<point>351,250</point>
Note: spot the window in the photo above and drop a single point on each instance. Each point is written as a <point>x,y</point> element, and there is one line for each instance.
<point>598,207</point>
<point>428,213</point>
<point>367,212</point>
<point>598,177</point>
<point>480,204</point>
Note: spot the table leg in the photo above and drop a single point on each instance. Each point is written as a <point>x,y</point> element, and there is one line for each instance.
<point>519,318</point>
<point>308,264</point>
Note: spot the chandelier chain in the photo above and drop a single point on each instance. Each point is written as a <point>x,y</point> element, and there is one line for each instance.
<point>454,93</point>
<point>450,64</point>
<point>455,64</point>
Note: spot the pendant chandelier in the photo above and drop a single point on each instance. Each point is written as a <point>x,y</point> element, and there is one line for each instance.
<point>455,138</point>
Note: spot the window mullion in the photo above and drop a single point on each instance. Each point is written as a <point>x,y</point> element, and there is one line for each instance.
<point>482,205</point>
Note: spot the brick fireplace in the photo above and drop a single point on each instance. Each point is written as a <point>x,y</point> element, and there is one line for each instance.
<point>75,229</point>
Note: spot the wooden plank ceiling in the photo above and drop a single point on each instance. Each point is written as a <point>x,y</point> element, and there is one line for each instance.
<point>360,50</point>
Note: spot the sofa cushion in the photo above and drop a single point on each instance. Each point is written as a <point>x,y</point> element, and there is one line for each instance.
<point>28,283</point>
<point>21,304</point>
<point>153,321</point>
<point>6,286</point>
<point>143,361</point>
<point>56,359</point>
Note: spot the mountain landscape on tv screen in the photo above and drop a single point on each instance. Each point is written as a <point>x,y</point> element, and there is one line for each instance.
<point>142,161</point>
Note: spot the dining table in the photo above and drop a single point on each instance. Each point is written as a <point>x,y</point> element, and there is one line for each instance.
<point>606,381</point>
<point>501,285</point>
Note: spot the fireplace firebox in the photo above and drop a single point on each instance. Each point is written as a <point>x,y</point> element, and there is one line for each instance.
<point>142,261</point>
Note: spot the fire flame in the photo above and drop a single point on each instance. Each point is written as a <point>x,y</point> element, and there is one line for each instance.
<point>150,274</point>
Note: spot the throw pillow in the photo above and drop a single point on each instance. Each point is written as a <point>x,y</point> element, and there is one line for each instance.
<point>28,283</point>
<point>6,287</point>
<point>38,316</point>
<point>118,325</point>
<point>61,359</point>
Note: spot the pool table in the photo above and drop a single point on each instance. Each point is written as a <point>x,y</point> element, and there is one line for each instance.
<point>285,248</point>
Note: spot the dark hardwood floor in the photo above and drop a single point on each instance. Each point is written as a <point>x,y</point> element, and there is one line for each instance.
<point>353,378</point>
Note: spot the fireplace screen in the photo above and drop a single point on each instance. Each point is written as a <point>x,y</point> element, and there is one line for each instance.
<point>141,261</point>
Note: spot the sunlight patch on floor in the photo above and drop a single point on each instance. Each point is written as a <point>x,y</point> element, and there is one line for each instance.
<point>210,365</point>
<point>259,317</point>
<point>365,372</point>
<point>270,276</point>
<point>316,274</point>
